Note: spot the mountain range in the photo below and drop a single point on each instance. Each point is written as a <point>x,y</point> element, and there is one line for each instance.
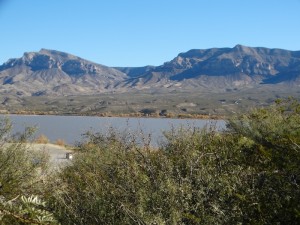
<point>55,73</point>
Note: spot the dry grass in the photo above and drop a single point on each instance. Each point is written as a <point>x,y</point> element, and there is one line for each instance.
<point>42,139</point>
<point>60,142</point>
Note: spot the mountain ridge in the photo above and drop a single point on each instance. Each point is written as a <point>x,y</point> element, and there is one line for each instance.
<point>51,72</point>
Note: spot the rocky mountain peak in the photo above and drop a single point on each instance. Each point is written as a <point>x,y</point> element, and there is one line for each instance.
<point>48,71</point>
<point>240,47</point>
<point>58,55</point>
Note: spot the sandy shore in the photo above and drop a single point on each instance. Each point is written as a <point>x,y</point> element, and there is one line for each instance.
<point>57,153</point>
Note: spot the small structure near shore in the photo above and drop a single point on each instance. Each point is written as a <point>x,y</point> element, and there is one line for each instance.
<point>69,155</point>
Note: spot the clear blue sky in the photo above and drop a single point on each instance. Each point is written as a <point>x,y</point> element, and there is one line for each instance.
<point>141,32</point>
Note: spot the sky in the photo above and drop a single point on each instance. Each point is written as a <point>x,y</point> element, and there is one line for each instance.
<point>144,32</point>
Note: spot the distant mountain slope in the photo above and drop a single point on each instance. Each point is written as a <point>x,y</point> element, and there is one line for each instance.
<point>221,68</point>
<point>53,72</point>
<point>135,71</point>
<point>50,72</point>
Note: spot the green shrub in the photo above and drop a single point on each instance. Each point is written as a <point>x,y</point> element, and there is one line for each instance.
<point>247,174</point>
<point>25,210</point>
<point>189,181</point>
<point>20,166</point>
<point>269,143</point>
<point>21,173</point>
<point>42,139</point>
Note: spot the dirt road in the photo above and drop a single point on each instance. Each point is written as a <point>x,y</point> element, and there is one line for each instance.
<point>57,153</point>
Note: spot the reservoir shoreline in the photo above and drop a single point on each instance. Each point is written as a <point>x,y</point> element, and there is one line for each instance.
<point>71,129</point>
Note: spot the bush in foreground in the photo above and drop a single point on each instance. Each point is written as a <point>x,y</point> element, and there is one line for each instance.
<point>21,173</point>
<point>248,174</point>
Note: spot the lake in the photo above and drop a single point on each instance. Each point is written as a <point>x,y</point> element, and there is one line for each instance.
<point>71,128</point>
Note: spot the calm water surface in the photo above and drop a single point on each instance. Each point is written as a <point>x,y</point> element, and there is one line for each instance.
<point>71,128</point>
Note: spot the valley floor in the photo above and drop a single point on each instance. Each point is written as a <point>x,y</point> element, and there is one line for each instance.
<point>179,104</point>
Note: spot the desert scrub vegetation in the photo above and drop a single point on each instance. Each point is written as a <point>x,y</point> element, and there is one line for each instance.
<point>247,174</point>
<point>21,176</point>
<point>60,142</point>
<point>42,139</point>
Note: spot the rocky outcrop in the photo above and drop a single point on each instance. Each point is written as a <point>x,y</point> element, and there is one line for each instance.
<point>48,72</point>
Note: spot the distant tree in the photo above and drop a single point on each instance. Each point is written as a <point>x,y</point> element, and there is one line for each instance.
<point>148,111</point>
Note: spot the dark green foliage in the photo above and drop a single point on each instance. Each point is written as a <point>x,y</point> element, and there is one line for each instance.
<point>25,210</point>
<point>270,148</point>
<point>247,174</point>
<point>21,173</point>
<point>20,167</point>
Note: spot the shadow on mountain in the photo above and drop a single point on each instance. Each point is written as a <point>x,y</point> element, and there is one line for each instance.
<point>293,77</point>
